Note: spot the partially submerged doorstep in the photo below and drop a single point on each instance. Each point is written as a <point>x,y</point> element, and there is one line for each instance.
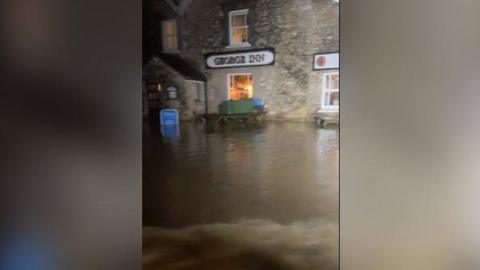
<point>325,119</point>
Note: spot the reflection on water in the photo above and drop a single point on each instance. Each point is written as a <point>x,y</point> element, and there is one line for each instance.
<point>263,195</point>
<point>282,172</point>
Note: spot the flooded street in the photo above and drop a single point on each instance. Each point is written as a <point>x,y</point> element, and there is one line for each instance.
<point>240,197</point>
<point>281,172</point>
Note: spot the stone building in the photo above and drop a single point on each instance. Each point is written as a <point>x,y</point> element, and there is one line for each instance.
<point>275,50</point>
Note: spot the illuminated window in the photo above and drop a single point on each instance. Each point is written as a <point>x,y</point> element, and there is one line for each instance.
<point>238,21</point>
<point>169,30</point>
<point>331,93</point>
<point>240,86</point>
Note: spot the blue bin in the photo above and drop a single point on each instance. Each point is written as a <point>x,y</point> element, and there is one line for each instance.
<point>258,103</point>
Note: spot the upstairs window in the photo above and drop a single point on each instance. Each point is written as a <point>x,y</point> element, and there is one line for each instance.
<point>238,23</point>
<point>169,32</point>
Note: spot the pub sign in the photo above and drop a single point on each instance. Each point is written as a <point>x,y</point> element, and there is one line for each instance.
<point>322,61</point>
<point>248,58</point>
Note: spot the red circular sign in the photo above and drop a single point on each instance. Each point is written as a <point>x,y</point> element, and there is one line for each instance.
<point>321,60</point>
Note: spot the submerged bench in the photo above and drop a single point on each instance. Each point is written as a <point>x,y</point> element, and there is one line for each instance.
<point>246,109</point>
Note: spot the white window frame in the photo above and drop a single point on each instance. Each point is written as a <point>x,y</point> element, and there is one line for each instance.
<point>231,14</point>
<point>229,80</point>
<point>326,89</point>
<point>165,36</point>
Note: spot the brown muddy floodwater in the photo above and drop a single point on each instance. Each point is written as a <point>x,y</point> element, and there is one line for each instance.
<point>240,197</point>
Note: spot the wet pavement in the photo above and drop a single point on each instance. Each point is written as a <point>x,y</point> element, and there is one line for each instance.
<point>282,172</point>
<point>240,197</point>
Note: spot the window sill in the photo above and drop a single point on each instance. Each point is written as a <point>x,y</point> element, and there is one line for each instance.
<point>236,46</point>
<point>328,110</point>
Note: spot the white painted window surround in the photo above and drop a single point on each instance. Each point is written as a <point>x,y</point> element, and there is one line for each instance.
<point>330,91</point>
<point>238,28</point>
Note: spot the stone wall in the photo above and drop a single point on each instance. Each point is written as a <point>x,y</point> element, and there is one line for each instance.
<point>186,103</point>
<point>295,28</point>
